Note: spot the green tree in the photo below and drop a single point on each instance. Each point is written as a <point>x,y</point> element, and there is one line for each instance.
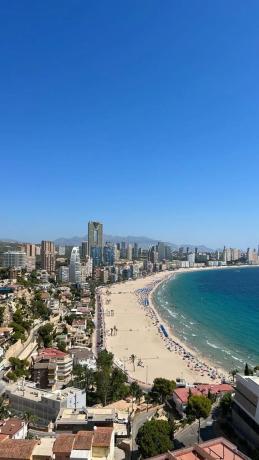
<point>233,374</point>
<point>84,378</point>
<point>30,418</point>
<point>118,387</point>
<point>4,413</point>
<point>45,333</point>
<point>2,311</point>
<point>135,390</point>
<point>19,368</point>
<point>90,326</point>
<point>248,370</point>
<point>132,360</point>
<point>61,345</point>
<point>161,389</point>
<point>199,407</point>
<point>226,403</point>
<point>104,364</point>
<point>154,437</point>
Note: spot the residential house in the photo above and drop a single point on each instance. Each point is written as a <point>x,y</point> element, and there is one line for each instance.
<point>14,428</point>
<point>90,445</point>
<point>181,395</point>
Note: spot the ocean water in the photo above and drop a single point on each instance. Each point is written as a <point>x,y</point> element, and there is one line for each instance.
<point>216,312</point>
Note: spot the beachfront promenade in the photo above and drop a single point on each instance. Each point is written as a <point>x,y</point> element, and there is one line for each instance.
<point>142,343</point>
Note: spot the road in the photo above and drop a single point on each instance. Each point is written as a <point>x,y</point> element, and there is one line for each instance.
<point>189,435</point>
<point>137,422</point>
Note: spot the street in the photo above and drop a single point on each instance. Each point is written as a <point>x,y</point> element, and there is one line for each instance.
<point>189,435</point>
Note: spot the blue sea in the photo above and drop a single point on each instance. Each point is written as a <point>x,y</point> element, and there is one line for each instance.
<point>216,312</point>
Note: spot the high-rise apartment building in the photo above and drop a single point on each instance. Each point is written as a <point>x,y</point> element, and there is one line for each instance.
<point>30,250</point>
<point>161,251</point>
<point>153,255</point>
<point>84,249</point>
<point>108,254</point>
<point>14,259</point>
<point>135,251</point>
<point>129,252</point>
<point>62,250</point>
<point>123,249</point>
<point>48,261</point>
<point>63,274</point>
<point>75,266</point>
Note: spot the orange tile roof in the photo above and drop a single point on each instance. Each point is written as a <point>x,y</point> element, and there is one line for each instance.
<point>11,426</point>
<point>198,390</point>
<point>83,440</point>
<point>102,436</point>
<point>51,353</point>
<point>63,444</point>
<point>17,449</point>
<point>3,437</point>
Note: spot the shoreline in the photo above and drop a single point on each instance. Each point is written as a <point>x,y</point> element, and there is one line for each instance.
<point>185,344</point>
<point>133,327</point>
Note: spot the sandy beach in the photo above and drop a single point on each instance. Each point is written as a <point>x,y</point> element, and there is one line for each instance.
<point>133,327</point>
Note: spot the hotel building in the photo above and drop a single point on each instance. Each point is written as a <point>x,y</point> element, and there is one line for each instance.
<point>245,410</point>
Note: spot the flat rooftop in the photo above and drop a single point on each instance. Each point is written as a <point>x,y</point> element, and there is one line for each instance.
<point>36,394</point>
<point>215,449</point>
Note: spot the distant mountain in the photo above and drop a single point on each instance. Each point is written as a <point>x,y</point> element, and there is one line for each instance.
<point>142,241</point>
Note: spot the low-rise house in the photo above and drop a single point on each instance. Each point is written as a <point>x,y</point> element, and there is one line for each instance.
<point>14,428</point>
<point>6,332</point>
<point>79,324</point>
<point>16,449</point>
<point>89,445</point>
<point>72,420</point>
<point>83,357</point>
<point>181,395</point>
<point>215,449</point>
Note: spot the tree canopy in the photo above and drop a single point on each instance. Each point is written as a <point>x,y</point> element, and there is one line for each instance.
<point>161,389</point>
<point>199,406</point>
<point>46,334</point>
<point>154,437</point>
<point>226,403</point>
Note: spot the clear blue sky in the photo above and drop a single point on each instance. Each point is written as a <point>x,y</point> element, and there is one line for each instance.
<point>141,114</point>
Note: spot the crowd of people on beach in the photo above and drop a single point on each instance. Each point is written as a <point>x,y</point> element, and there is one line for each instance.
<point>192,361</point>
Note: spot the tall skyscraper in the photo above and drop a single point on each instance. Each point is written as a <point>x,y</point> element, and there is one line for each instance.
<point>48,261</point>
<point>95,235</point>
<point>135,251</point>
<point>75,266</point>
<point>161,251</point>
<point>84,249</point>
<point>108,254</point>
<point>123,248</point>
<point>30,250</point>
<point>153,255</point>
<point>95,242</point>
<point>129,252</point>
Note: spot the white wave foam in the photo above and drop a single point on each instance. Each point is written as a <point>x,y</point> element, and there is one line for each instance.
<point>237,359</point>
<point>212,345</point>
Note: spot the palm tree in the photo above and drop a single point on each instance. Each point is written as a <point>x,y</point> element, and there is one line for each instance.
<point>233,373</point>
<point>133,359</point>
<point>30,418</point>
